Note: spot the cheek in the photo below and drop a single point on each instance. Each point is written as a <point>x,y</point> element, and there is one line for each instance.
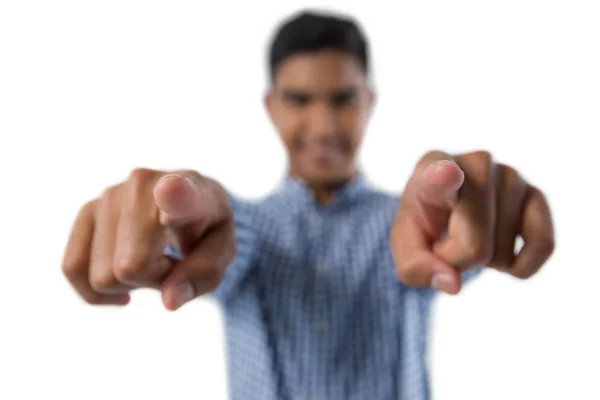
<point>353,126</point>
<point>288,126</point>
<point>353,144</point>
<point>291,139</point>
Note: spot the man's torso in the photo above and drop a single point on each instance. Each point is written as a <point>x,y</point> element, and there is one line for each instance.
<point>322,314</point>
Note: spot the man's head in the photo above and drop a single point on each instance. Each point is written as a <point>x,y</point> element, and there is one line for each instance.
<point>319,99</point>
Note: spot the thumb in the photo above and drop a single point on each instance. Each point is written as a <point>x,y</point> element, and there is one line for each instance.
<point>416,264</point>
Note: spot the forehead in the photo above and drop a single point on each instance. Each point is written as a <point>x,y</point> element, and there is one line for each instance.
<point>322,71</point>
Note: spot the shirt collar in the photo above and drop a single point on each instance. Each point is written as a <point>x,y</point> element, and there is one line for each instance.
<point>296,189</point>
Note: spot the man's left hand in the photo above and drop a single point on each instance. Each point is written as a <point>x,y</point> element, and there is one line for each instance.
<point>465,211</point>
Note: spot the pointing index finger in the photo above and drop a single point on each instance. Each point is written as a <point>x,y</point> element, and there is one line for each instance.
<point>423,216</point>
<point>190,204</point>
<point>438,184</point>
<point>184,198</point>
<point>432,192</point>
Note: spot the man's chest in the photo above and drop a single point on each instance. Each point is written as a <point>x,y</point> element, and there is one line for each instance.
<point>332,269</point>
<point>330,310</point>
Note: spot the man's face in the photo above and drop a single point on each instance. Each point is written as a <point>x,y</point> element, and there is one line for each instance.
<point>320,104</point>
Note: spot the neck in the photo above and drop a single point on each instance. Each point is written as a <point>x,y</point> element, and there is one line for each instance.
<point>324,195</point>
<point>325,191</point>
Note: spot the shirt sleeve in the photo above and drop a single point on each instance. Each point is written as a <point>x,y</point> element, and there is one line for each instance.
<point>246,242</point>
<point>246,237</point>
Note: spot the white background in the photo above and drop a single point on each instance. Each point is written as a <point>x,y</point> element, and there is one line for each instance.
<point>90,90</point>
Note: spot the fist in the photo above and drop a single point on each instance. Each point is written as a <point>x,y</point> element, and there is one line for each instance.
<point>118,241</point>
<point>466,211</point>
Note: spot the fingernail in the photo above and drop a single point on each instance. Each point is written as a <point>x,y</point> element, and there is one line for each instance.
<point>184,292</point>
<point>192,185</point>
<point>439,164</point>
<point>442,282</point>
<point>169,177</point>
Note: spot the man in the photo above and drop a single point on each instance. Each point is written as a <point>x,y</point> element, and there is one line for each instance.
<point>326,285</point>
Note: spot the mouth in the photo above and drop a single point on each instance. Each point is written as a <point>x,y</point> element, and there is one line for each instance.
<point>324,154</point>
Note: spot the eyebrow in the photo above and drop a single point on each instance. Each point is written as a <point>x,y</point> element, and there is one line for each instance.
<point>299,93</point>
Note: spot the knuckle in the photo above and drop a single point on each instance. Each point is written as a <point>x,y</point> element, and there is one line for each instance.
<point>139,182</point>
<point>408,272</point>
<point>510,181</point>
<point>479,163</point>
<point>102,281</point>
<point>128,270</point>
<point>87,208</point>
<point>141,175</point>
<point>502,260</point>
<point>546,245</point>
<point>111,193</point>
<point>86,293</point>
<point>510,174</point>
<point>523,273</point>
<point>91,298</point>
<point>477,156</point>
<point>71,267</point>
<point>535,191</point>
<point>483,156</point>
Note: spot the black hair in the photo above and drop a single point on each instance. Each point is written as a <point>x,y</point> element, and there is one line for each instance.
<point>309,31</point>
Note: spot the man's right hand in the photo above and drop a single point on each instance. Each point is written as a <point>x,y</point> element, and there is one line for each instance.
<point>118,240</point>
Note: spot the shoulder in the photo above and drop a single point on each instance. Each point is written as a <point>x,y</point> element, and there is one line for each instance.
<point>377,203</point>
<point>257,207</point>
<point>381,199</point>
<point>264,215</point>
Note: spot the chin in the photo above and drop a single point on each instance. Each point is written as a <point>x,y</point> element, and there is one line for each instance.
<point>327,177</point>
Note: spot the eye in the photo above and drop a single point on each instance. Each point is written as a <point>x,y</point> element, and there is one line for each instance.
<point>297,100</point>
<point>343,99</point>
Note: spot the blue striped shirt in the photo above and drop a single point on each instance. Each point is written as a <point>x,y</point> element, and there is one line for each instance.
<point>313,306</point>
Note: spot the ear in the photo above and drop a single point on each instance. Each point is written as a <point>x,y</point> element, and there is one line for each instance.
<point>372,100</point>
<point>268,102</point>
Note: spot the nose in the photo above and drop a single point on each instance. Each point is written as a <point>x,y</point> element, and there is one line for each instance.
<point>321,119</point>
